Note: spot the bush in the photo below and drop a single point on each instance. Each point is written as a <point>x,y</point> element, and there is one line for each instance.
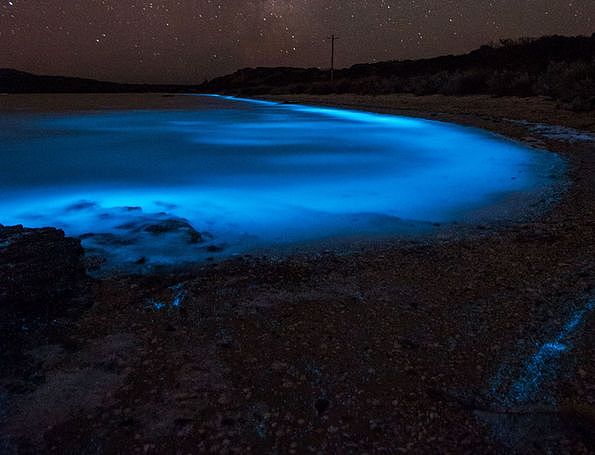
<point>569,82</point>
<point>510,83</point>
<point>561,68</point>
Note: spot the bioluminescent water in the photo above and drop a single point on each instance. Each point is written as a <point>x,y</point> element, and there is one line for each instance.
<point>523,389</point>
<point>163,186</point>
<point>542,365</point>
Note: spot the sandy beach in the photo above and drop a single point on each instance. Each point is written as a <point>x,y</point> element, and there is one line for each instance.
<point>475,341</point>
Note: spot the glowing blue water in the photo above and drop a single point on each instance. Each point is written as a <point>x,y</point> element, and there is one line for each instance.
<point>249,173</point>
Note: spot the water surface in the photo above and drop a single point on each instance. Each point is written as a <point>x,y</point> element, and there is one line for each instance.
<point>250,173</point>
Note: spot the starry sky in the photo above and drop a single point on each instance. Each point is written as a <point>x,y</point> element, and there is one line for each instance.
<point>186,41</point>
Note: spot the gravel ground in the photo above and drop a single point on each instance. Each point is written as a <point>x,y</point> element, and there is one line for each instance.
<point>479,340</point>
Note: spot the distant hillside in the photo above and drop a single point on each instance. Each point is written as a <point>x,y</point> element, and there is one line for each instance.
<point>12,81</point>
<point>562,68</point>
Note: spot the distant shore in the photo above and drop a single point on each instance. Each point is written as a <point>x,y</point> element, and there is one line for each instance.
<point>411,346</point>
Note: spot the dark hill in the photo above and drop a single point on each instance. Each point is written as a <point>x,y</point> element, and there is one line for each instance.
<point>562,68</point>
<point>559,67</point>
<point>13,81</point>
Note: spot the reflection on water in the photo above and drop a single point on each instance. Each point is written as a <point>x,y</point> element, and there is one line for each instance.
<point>241,173</point>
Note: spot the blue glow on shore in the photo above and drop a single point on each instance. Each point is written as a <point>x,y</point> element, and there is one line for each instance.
<point>179,295</point>
<point>242,100</point>
<point>541,365</point>
<point>251,173</point>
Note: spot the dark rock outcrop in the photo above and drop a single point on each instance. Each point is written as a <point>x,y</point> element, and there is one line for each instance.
<point>40,269</point>
<point>172,226</point>
<point>155,226</point>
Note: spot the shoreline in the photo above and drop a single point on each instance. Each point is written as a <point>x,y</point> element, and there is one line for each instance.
<point>515,206</point>
<point>392,347</point>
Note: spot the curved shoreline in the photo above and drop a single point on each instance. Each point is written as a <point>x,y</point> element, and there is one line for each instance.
<point>394,346</point>
<point>516,184</point>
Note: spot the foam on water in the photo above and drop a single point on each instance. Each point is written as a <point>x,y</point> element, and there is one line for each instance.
<point>250,173</point>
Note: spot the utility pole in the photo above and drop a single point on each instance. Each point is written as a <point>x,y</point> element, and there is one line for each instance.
<point>333,38</point>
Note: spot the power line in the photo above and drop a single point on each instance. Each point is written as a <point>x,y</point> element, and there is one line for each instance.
<point>333,38</point>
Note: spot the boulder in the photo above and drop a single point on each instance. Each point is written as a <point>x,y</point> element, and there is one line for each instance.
<point>40,269</point>
<point>173,225</point>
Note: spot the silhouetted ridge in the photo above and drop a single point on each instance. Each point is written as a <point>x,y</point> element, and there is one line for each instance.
<point>559,67</point>
<point>556,66</point>
<point>14,81</point>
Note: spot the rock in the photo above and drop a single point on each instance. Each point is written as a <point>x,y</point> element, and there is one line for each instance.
<point>173,225</point>
<point>39,270</point>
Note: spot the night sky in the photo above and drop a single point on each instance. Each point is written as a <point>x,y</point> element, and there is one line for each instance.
<point>185,41</point>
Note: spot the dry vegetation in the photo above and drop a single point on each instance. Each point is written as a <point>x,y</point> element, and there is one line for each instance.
<point>561,68</point>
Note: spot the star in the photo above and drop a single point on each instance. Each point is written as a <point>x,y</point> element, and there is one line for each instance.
<point>185,41</point>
